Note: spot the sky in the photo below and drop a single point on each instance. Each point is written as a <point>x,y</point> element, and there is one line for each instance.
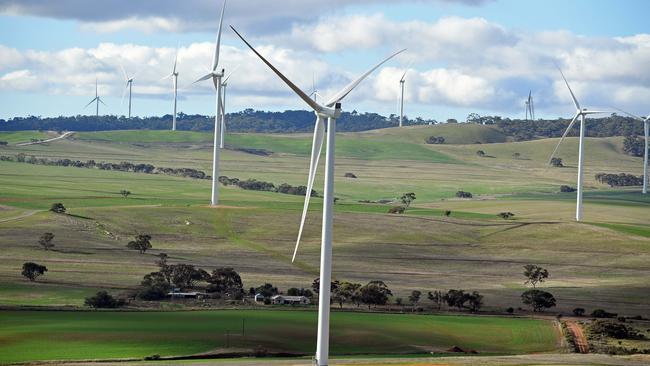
<point>463,56</point>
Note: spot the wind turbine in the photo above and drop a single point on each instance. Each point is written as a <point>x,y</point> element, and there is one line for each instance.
<point>331,114</point>
<point>314,91</point>
<point>401,105</point>
<point>224,85</point>
<point>530,106</point>
<point>129,86</point>
<point>216,77</point>
<point>174,77</point>
<point>582,113</point>
<point>97,99</point>
<point>646,131</point>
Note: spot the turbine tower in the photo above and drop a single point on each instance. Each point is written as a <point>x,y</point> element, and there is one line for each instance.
<point>646,131</point>
<point>330,111</point>
<point>582,114</point>
<point>401,104</point>
<point>216,77</point>
<point>224,85</point>
<point>97,99</point>
<point>174,77</point>
<point>129,87</point>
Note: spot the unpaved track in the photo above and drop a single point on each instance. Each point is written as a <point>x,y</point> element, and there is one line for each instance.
<point>21,216</point>
<point>66,134</point>
<point>579,336</point>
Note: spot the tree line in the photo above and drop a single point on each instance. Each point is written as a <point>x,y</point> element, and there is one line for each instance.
<point>259,185</point>
<point>619,180</point>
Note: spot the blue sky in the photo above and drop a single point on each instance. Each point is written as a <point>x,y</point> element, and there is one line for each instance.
<point>468,55</point>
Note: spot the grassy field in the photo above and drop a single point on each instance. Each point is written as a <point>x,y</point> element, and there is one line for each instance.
<point>42,335</point>
<point>599,263</point>
<point>21,136</point>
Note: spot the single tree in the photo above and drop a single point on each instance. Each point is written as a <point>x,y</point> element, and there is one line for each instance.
<point>125,193</point>
<point>407,198</point>
<point>185,276</point>
<point>475,301</point>
<point>345,292</point>
<point>456,298</point>
<point>437,298</point>
<point>505,215</point>
<point>538,300</point>
<point>46,241</point>
<point>516,155</point>
<point>414,298</point>
<point>226,281</point>
<point>579,311</point>
<point>57,208</point>
<point>375,293</point>
<point>141,243</point>
<point>33,270</point>
<point>534,274</point>
<point>480,153</point>
<point>557,162</point>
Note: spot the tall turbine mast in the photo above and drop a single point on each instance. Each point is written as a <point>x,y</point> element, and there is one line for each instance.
<point>581,113</point>
<point>330,112</point>
<point>216,77</point>
<point>401,105</point>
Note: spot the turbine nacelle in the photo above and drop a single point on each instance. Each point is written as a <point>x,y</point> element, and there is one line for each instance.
<point>326,112</point>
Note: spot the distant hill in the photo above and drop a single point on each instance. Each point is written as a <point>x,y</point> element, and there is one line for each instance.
<point>489,130</point>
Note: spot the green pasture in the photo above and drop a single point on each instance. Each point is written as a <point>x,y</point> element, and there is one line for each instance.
<point>47,335</point>
<point>15,137</point>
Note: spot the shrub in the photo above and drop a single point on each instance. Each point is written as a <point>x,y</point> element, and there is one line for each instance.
<point>447,213</point>
<point>565,188</point>
<point>397,210</point>
<point>578,311</point>
<point>463,194</point>
<point>141,243</point>
<point>480,153</point>
<point>57,208</point>
<point>600,313</point>
<point>125,193</point>
<point>46,241</point>
<point>510,310</point>
<point>350,175</point>
<point>33,270</point>
<point>436,140</point>
<point>103,300</point>
<point>614,330</point>
<point>557,162</point>
<point>505,215</point>
<point>4,143</point>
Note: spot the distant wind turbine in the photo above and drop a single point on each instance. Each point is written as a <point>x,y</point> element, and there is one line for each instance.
<point>129,87</point>
<point>401,104</point>
<point>97,99</point>
<point>224,85</point>
<point>646,130</point>
<point>582,114</point>
<point>331,114</point>
<point>174,77</point>
<point>530,106</point>
<point>216,77</point>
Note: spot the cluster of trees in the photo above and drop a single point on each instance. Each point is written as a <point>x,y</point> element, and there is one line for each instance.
<point>463,194</point>
<point>459,299</point>
<point>123,166</point>
<point>615,330</point>
<point>633,145</point>
<point>221,282</point>
<point>436,140</point>
<point>104,300</point>
<point>248,120</point>
<point>32,270</point>
<point>565,188</point>
<point>619,180</point>
<point>4,143</point>
<point>259,185</point>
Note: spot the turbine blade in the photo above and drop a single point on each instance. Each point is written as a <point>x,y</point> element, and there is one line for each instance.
<point>175,61</point>
<point>126,77</point>
<point>345,91</point>
<point>406,71</point>
<point>631,115</point>
<point>595,112</point>
<point>206,77</point>
<point>101,101</point>
<point>124,93</point>
<point>91,102</point>
<point>575,101</point>
<point>316,147</point>
<point>315,106</point>
<point>573,121</point>
<point>215,59</point>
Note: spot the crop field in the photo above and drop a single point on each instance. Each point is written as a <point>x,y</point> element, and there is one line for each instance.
<point>43,335</point>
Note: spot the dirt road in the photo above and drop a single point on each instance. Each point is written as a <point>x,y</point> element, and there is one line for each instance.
<point>579,336</point>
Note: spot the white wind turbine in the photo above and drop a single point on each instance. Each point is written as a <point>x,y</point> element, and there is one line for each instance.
<point>216,77</point>
<point>331,114</point>
<point>582,113</point>
<point>174,77</point>
<point>402,80</point>
<point>129,87</point>
<point>646,131</point>
<point>97,99</point>
<point>224,85</point>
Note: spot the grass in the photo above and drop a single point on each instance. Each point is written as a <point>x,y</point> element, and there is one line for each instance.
<point>43,335</point>
<point>15,137</point>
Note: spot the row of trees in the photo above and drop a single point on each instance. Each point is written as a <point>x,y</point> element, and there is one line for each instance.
<point>259,185</point>
<point>619,180</point>
<point>123,166</point>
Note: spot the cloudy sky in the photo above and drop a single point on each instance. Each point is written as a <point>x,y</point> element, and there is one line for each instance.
<point>465,56</point>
